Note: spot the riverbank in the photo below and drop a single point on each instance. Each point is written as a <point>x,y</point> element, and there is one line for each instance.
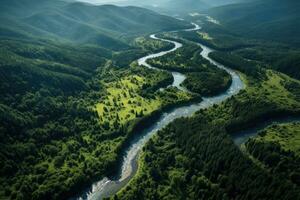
<point>257,125</point>
<point>105,186</point>
<point>204,156</point>
<point>179,161</point>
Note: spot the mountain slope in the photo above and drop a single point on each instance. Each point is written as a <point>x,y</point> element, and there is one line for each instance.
<point>56,44</point>
<point>80,22</point>
<point>54,57</point>
<point>213,3</point>
<point>186,6</point>
<point>171,7</point>
<point>270,19</point>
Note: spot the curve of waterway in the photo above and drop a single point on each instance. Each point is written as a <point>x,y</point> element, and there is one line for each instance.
<point>106,187</point>
<point>242,136</point>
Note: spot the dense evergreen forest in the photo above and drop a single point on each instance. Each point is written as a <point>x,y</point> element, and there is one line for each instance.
<point>73,98</point>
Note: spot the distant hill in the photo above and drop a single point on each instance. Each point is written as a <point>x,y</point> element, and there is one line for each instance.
<point>214,3</point>
<point>171,7</point>
<point>186,6</point>
<point>59,45</point>
<point>268,19</point>
<point>80,22</point>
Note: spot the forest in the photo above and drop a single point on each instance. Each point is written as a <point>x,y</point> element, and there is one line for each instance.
<point>58,127</point>
<point>276,148</point>
<point>74,98</point>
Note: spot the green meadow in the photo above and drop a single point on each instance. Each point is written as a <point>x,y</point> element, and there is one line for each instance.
<point>124,101</point>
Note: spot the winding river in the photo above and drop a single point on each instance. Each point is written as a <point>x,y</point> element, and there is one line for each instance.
<point>106,187</point>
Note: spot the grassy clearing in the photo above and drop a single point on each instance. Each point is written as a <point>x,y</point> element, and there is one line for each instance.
<point>274,91</point>
<point>124,100</point>
<point>287,135</point>
<point>123,103</point>
<point>205,35</point>
<point>278,148</point>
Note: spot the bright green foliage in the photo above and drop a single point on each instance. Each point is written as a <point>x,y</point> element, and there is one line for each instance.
<point>278,148</point>
<point>286,135</point>
<point>127,99</point>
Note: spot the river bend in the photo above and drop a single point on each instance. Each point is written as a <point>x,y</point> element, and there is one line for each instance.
<point>106,187</point>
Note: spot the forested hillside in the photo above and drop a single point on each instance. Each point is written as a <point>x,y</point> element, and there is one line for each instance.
<point>202,162</point>
<point>81,102</point>
<point>61,44</point>
<point>269,19</point>
<point>243,29</point>
<point>175,7</point>
<point>56,60</point>
<point>79,22</point>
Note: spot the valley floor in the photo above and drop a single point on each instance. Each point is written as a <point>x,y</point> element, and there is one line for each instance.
<point>192,158</point>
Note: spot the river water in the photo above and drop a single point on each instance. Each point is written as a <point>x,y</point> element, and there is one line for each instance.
<point>106,187</point>
<point>242,137</point>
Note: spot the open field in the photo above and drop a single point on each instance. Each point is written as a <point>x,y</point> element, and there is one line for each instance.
<point>124,101</point>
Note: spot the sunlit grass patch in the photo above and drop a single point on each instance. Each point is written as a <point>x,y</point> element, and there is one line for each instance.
<point>287,135</point>
<point>274,88</point>
<point>124,101</point>
<point>204,35</point>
